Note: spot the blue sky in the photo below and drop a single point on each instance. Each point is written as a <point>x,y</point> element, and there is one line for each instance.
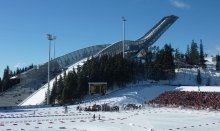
<point>81,23</point>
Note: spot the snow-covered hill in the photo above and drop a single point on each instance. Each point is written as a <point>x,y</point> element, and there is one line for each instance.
<point>147,118</point>
<point>184,77</point>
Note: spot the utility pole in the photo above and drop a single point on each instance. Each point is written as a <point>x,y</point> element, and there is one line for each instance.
<point>123,20</point>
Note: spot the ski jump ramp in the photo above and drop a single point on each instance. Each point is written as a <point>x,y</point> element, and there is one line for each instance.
<point>66,62</point>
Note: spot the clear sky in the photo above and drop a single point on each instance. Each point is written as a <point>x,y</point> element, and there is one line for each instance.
<point>82,23</point>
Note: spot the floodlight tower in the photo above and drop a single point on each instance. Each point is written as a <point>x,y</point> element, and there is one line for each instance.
<point>50,38</point>
<point>123,20</point>
<point>54,47</point>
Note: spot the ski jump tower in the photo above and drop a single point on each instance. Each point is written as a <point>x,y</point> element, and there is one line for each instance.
<point>137,46</point>
<point>37,77</point>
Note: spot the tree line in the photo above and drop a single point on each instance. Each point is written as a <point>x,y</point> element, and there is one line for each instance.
<point>115,70</point>
<point>155,64</point>
<point>194,55</point>
<point>6,82</point>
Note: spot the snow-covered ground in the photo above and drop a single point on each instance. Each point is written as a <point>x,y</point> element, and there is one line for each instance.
<point>145,119</point>
<point>186,76</point>
<point>200,88</point>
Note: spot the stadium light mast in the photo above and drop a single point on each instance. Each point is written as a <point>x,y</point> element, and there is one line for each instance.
<point>54,47</point>
<point>50,38</point>
<point>123,20</point>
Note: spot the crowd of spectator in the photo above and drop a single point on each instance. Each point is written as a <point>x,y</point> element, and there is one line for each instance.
<point>132,106</point>
<point>197,100</point>
<point>109,107</point>
<point>97,107</point>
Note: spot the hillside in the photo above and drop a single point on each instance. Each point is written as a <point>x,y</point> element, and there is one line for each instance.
<point>146,118</point>
<point>184,77</point>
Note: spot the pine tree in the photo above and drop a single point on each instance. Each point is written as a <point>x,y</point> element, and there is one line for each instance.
<point>164,64</point>
<point>199,79</point>
<point>64,96</point>
<point>187,55</point>
<point>18,71</point>
<point>177,55</point>
<point>170,61</point>
<point>201,56</point>
<point>218,62</point>
<point>179,58</point>
<point>6,79</point>
<point>70,85</point>
<point>194,54</point>
<point>64,75</point>
<point>60,87</point>
<point>73,85</point>
<point>148,56</point>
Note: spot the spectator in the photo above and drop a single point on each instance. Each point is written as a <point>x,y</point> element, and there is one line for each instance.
<point>93,116</point>
<point>197,100</point>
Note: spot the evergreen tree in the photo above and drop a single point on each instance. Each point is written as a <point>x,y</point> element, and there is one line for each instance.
<point>148,56</point>
<point>64,96</point>
<point>82,85</point>
<point>70,86</point>
<point>157,67</point>
<point>187,55</point>
<point>194,54</point>
<point>177,55</point>
<point>73,85</point>
<point>64,76</point>
<point>151,71</point>
<point>164,66</point>
<point>179,58</point>
<point>10,73</point>
<point>199,79</point>
<point>21,70</point>
<point>218,62</point>
<point>60,87</point>
<point>18,71</point>
<point>201,56</point>
<point>6,79</point>
<point>65,90</point>
<point>169,60</point>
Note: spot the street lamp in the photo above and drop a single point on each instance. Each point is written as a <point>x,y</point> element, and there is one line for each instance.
<point>123,20</point>
<point>50,38</point>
